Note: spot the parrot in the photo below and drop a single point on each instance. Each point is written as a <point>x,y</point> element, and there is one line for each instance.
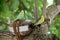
<point>40,21</point>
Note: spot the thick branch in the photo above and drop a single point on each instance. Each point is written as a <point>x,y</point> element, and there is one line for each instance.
<point>36,9</point>
<point>52,11</point>
<point>44,8</point>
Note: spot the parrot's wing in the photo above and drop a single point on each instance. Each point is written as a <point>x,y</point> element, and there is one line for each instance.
<point>41,20</point>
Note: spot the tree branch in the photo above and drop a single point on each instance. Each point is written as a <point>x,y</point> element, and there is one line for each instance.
<point>36,9</point>
<point>44,8</point>
<point>52,11</point>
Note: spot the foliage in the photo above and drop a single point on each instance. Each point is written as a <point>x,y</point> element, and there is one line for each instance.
<point>55,27</point>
